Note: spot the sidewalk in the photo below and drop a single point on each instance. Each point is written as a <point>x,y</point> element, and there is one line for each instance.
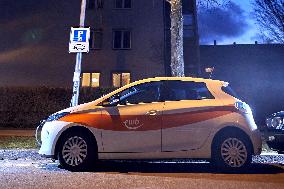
<point>17,132</point>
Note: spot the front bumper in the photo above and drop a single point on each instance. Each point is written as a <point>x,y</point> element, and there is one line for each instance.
<point>38,132</point>
<point>50,133</point>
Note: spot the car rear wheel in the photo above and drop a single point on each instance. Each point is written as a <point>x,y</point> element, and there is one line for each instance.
<point>76,151</point>
<point>232,152</point>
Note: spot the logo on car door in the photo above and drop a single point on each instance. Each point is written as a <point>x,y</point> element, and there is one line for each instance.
<point>133,124</point>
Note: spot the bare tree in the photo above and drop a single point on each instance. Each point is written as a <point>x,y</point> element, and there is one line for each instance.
<point>269,15</point>
<point>209,4</point>
<point>177,59</point>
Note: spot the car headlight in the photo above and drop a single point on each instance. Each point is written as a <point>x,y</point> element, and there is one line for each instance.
<point>243,107</point>
<point>275,122</point>
<point>57,116</point>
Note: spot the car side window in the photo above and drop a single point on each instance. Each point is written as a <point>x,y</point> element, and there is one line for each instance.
<point>143,93</point>
<point>186,90</point>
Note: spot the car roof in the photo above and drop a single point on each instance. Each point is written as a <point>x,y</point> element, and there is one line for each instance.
<point>207,81</point>
<point>195,79</point>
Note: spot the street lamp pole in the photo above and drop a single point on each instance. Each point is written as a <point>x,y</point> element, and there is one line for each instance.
<point>77,73</point>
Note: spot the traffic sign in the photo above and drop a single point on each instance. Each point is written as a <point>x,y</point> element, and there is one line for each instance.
<point>79,40</point>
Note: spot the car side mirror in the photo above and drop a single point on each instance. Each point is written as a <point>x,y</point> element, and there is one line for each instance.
<point>106,104</point>
<point>113,101</point>
<point>122,102</point>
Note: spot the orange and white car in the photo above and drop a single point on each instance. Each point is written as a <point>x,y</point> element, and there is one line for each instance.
<point>155,118</point>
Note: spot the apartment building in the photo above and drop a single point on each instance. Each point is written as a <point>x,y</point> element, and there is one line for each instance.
<point>130,40</point>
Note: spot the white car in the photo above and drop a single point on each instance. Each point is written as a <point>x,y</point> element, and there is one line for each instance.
<point>155,118</point>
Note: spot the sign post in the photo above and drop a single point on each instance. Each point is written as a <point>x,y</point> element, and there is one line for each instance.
<point>78,38</point>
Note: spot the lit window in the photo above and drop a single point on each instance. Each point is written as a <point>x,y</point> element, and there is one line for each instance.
<point>121,39</point>
<point>90,79</point>
<point>122,4</point>
<point>96,39</point>
<point>120,79</point>
<point>86,80</point>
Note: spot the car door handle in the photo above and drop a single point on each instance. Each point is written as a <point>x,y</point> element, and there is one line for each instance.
<point>152,112</point>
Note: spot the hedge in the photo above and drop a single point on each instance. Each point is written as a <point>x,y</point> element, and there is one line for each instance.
<point>24,107</point>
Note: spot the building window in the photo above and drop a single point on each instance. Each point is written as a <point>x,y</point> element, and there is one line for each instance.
<point>96,39</point>
<point>120,79</point>
<point>188,30</point>
<point>121,39</point>
<point>122,4</point>
<point>90,79</point>
<point>99,4</point>
<point>92,4</point>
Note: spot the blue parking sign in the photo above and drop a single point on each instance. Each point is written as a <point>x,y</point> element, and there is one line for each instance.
<point>79,40</point>
<point>80,36</point>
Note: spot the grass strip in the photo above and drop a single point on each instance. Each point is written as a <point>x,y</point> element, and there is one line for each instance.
<point>17,142</point>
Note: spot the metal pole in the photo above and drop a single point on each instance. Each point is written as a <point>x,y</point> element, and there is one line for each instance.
<point>77,73</point>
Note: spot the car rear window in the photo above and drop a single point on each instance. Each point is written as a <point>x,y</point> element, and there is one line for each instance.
<point>230,91</point>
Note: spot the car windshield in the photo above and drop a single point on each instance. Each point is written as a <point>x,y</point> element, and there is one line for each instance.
<point>126,93</point>
<point>227,89</point>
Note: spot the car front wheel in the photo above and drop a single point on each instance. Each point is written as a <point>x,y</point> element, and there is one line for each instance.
<point>76,152</point>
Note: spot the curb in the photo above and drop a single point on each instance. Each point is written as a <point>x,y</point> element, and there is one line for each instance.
<point>13,132</point>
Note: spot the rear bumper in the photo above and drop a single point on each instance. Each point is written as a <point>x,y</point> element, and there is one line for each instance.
<point>256,142</point>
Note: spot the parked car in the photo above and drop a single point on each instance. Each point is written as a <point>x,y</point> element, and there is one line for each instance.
<point>155,118</point>
<point>274,131</point>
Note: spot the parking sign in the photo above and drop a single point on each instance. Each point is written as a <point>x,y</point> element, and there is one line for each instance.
<point>79,40</point>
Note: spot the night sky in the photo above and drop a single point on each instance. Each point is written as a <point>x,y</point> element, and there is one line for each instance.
<point>232,22</point>
<point>31,31</point>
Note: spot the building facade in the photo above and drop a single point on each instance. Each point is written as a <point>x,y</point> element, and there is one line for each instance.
<point>130,40</point>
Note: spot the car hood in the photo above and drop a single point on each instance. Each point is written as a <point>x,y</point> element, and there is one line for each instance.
<point>82,107</point>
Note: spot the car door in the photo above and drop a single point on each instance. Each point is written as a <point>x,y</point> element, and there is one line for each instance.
<point>133,123</point>
<point>187,117</point>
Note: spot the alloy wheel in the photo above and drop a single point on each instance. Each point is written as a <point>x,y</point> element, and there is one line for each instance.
<point>234,152</point>
<point>74,151</point>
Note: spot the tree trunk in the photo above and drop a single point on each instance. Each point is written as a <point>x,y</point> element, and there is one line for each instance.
<point>177,61</point>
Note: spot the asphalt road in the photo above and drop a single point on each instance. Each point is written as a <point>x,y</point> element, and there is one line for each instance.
<point>25,169</point>
<point>42,173</point>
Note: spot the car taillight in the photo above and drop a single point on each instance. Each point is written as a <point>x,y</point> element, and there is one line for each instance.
<point>243,107</point>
